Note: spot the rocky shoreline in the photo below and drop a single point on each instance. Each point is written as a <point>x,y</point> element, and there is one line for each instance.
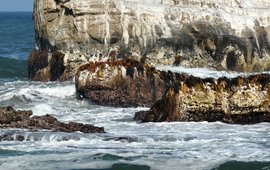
<point>240,100</point>
<point>175,96</point>
<point>10,118</point>
<point>113,47</point>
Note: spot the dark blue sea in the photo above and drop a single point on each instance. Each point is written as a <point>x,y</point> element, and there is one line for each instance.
<point>16,41</point>
<point>127,145</point>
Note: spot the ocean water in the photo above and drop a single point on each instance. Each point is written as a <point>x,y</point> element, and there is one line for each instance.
<point>127,144</point>
<point>16,42</point>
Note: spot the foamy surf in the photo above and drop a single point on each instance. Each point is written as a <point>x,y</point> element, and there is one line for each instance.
<point>127,144</point>
<point>188,145</point>
<point>205,72</point>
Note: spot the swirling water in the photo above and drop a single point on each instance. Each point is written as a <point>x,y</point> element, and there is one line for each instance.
<point>127,144</point>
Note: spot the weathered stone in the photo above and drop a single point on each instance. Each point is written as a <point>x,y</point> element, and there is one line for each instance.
<point>222,34</point>
<point>175,96</point>
<point>10,118</point>
<point>123,83</point>
<point>242,100</point>
<point>43,69</point>
<point>112,45</point>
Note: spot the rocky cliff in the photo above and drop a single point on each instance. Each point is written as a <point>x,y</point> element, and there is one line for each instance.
<point>111,47</point>
<point>223,34</point>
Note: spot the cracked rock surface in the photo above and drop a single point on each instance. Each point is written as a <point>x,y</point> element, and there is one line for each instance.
<point>220,34</point>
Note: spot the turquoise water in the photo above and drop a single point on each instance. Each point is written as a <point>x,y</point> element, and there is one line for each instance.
<point>127,145</point>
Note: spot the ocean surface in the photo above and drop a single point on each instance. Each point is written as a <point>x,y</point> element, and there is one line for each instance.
<point>127,145</point>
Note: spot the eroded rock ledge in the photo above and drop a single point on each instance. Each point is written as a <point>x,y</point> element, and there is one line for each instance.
<point>241,100</point>
<point>175,96</point>
<point>120,83</point>
<point>222,34</point>
<point>10,118</point>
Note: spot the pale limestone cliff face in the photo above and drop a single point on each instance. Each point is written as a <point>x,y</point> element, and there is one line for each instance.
<point>225,34</point>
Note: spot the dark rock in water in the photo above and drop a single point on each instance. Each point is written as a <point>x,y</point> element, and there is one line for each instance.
<point>141,115</point>
<point>9,115</point>
<point>10,118</point>
<point>240,100</point>
<point>122,138</point>
<point>129,166</point>
<point>175,96</point>
<point>7,137</point>
<point>234,165</point>
<point>39,69</point>
<point>123,83</point>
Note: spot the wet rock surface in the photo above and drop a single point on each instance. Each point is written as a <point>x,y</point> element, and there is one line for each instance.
<point>40,69</point>
<point>12,137</point>
<point>122,83</point>
<point>241,100</point>
<point>10,118</point>
<point>175,96</point>
<point>225,35</point>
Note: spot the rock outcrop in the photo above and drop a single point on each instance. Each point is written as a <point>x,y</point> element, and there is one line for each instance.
<point>241,100</point>
<point>223,34</point>
<point>175,96</point>
<point>120,83</point>
<point>113,46</point>
<point>10,118</point>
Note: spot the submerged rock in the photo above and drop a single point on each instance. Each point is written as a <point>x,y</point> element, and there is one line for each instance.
<point>241,100</point>
<point>122,139</point>
<point>10,118</point>
<point>230,34</point>
<point>11,137</point>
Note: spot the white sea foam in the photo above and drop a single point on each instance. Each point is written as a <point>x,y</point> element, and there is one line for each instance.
<point>42,109</point>
<point>57,91</point>
<point>204,72</point>
<point>159,145</point>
